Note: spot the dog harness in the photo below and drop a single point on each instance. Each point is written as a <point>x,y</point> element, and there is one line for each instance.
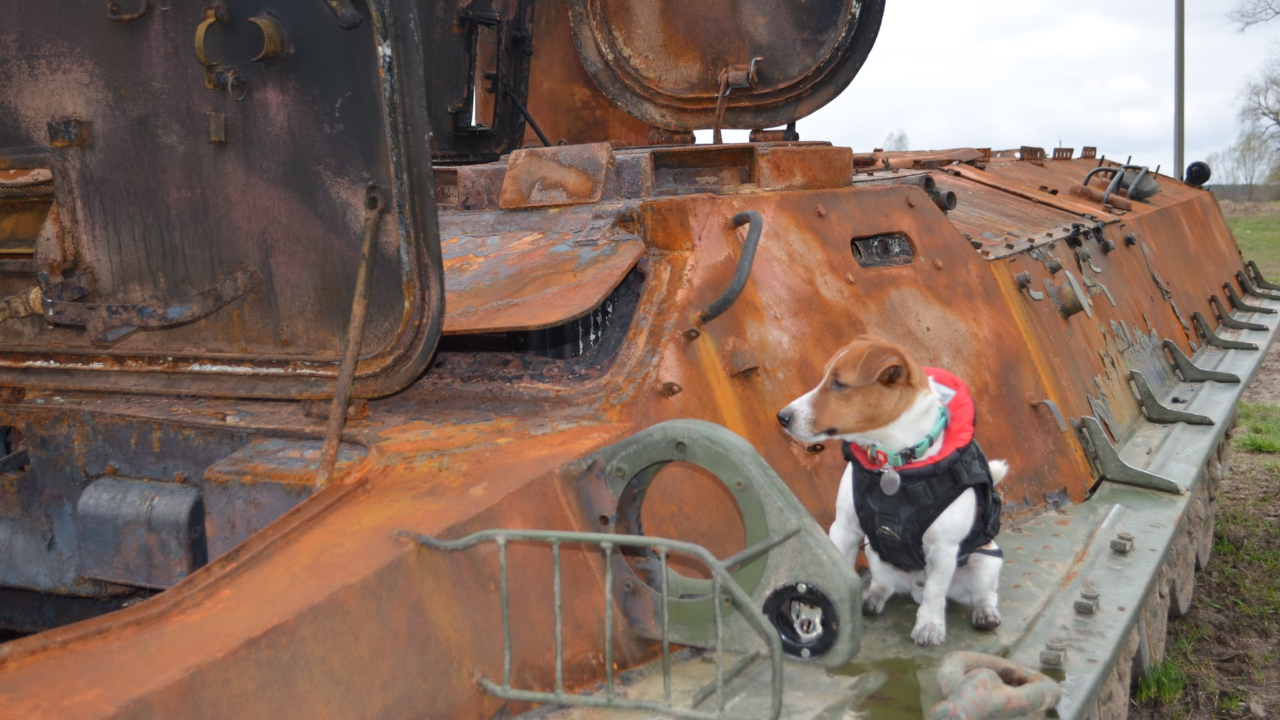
<point>895,523</point>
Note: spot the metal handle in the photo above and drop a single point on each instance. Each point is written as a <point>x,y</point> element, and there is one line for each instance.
<point>731,293</point>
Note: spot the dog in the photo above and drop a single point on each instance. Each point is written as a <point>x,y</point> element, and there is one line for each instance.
<point>917,487</point>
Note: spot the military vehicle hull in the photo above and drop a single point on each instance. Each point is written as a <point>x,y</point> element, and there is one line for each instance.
<point>561,482</point>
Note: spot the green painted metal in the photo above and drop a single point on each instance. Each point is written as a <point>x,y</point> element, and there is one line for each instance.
<point>721,580</point>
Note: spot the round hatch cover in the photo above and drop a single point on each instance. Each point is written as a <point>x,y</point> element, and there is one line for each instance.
<point>665,61</point>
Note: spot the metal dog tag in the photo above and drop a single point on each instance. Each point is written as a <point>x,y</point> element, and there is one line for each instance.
<point>889,481</point>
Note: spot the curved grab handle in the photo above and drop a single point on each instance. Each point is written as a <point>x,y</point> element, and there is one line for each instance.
<point>740,275</point>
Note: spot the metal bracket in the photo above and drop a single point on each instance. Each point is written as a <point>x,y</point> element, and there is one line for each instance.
<point>1231,322</point>
<point>1252,269</point>
<point>1190,372</point>
<point>1098,447</point>
<point>1023,279</point>
<point>1240,304</point>
<point>1158,413</point>
<point>1250,289</point>
<point>108,323</point>
<point>1053,410</point>
<point>1209,337</point>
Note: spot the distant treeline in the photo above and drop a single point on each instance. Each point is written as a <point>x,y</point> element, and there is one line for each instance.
<point>1237,193</point>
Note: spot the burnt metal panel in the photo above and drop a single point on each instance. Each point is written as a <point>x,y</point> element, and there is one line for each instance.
<point>669,62</point>
<point>214,199</point>
<point>532,280</point>
<point>134,532</point>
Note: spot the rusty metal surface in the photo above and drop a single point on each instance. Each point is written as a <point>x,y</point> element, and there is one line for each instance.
<point>158,214</point>
<point>531,280</point>
<point>665,62</point>
<point>563,175</point>
<point>493,439</point>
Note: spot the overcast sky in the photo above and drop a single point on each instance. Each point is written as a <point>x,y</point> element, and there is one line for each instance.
<point>1005,73</point>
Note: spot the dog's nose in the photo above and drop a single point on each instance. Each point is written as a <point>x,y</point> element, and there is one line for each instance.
<point>784,417</point>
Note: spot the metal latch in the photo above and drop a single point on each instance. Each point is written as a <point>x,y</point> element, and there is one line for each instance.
<point>733,77</point>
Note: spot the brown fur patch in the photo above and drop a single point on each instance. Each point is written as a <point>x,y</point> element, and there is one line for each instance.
<point>867,385</point>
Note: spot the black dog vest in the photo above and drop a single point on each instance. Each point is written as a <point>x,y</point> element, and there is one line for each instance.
<point>895,524</point>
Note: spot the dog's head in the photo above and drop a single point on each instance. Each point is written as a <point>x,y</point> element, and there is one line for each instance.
<point>866,386</point>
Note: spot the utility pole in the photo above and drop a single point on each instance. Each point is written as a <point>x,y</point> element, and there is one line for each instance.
<point>1179,82</point>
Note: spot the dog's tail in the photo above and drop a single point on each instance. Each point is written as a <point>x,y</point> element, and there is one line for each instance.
<point>999,468</point>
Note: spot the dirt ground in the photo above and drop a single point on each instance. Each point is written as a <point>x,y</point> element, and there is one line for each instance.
<point>1225,655</point>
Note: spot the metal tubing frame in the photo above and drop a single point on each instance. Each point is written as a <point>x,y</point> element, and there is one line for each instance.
<point>721,581</point>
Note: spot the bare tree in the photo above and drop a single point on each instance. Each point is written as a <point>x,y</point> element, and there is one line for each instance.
<point>1254,157</point>
<point>1254,12</point>
<point>1250,160</point>
<point>1261,101</point>
<point>897,140</point>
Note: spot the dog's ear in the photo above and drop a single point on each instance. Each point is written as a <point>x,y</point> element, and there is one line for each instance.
<point>883,363</point>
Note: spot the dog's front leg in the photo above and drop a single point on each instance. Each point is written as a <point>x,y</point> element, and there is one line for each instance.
<point>931,620</point>
<point>845,531</point>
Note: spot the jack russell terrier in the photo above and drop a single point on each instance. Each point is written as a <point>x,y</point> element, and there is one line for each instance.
<point>917,486</point>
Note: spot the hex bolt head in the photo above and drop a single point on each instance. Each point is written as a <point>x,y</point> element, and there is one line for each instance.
<point>1054,654</point>
<point>1087,603</point>
<point>1122,542</point>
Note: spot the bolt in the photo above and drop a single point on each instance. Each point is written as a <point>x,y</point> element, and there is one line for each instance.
<point>691,334</point>
<point>849,278</point>
<point>1087,603</point>
<point>1122,542</point>
<point>911,202</point>
<point>1130,239</point>
<point>1108,246</point>
<point>620,471</point>
<point>1054,654</point>
<point>802,588</point>
<point>804,652</point>
<point>821,211</point>
<point>671,388</point>
<point>937,263</point>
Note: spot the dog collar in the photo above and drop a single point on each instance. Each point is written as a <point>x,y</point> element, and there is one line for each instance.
<point>881,457</point>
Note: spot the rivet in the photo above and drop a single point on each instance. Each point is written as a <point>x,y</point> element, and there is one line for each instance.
<point>910,202</point>
<point>804,652</point>
<point>849,278</point>
<point>620,471</point>
<point>691,334</point>
<point>937,263</point>
<point>628,586</point>
<point>670,388</point>
<point>815,448</point>
<point>821,211</point>
<point>802,588</point>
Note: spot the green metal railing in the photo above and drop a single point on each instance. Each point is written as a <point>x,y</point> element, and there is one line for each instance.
<point>721,582</point>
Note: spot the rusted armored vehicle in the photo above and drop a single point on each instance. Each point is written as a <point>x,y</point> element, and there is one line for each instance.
<point>405,358</point>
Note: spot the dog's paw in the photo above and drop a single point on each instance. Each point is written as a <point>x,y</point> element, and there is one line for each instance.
<point>872,604</point>
<point>986,618</point>
<point>929,634</point>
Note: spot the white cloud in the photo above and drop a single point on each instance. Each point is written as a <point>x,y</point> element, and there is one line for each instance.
<point>1005,73</point>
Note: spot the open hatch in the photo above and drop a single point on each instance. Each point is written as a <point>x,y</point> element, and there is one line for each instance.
<point>182,198</point>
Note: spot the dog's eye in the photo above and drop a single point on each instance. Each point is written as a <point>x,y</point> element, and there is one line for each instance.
<point>837,385</point>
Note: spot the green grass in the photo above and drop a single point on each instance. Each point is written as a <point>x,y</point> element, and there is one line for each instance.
<point>1259,240</point>
<point>1259,430</point>
<point>1166,681</point>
